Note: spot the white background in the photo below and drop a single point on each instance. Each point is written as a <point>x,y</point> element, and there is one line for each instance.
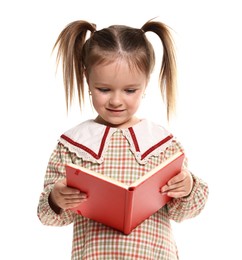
<point>208,121</point>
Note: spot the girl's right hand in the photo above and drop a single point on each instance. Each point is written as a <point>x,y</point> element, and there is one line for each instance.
<point>66,197</point>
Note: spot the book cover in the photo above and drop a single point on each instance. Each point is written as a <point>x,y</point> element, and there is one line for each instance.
<point>118,205</point>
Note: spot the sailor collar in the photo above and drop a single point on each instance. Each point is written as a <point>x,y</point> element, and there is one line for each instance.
<point>90,140</point>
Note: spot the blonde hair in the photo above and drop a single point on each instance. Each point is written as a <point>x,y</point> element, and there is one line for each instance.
<point>79,53</point>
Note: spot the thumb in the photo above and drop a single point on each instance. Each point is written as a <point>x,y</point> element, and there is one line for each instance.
<point>64,182</point>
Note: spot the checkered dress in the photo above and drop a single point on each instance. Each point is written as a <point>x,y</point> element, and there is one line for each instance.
<point>152,239</point>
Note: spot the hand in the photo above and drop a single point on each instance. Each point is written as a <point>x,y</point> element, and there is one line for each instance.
<point>179,186</point>
<point>65,197</point>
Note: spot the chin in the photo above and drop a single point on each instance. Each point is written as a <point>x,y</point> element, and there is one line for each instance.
<point>116,123</point>
<point>123,124</point>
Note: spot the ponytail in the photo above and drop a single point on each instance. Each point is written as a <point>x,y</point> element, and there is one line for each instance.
<point>70,45</point>
<point>167,75</point>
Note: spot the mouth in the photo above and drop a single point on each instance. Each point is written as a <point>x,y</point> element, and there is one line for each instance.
<point>115,110</point>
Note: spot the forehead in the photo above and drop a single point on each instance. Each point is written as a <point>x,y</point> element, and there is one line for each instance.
<point>117,71</point>
<point>117,66</point>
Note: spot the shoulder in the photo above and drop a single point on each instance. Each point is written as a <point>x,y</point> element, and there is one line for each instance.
<point>151,129</point>
<point>159,136</point>
<point>148,139</point>
<point>88,140</point>
<point>81,128</point>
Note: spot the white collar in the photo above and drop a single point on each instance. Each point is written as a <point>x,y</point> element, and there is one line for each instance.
<point>90,140</point>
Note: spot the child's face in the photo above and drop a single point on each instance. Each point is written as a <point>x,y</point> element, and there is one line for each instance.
<point>116,92</point>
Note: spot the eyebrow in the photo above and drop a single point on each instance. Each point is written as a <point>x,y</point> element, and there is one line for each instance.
<point>108,85</point>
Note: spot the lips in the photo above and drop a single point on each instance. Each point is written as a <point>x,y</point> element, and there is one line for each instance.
<point>115,110</point>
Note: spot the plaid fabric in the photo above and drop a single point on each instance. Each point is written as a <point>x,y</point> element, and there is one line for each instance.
<point>91,240</point>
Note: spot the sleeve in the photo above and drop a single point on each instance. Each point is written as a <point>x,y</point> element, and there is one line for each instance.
<point>55,172</point>
<point>190,206</point>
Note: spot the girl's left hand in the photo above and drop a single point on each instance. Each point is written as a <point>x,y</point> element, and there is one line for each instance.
<point>179,186</point>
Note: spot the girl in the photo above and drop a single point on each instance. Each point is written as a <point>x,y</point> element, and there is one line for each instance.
<point>117,62</point>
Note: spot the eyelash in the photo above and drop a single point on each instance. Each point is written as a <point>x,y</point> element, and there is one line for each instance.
<point>130,91</point>
<point>105,90</point>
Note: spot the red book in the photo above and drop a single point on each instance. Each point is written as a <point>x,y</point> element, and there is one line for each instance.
<point>118,205</point>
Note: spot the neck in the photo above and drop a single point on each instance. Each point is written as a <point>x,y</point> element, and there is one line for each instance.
<point>131,122</point>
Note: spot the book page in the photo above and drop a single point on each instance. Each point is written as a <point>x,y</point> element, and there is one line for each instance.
<point>99,176</point>
<point>153,171</point>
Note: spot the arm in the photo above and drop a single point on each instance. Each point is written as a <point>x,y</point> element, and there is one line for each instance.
<point>189,193</point>
<point>191,205</point>
<point>52,208</point>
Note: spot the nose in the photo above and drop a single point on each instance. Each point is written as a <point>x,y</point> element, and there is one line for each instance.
<point>115,100</point>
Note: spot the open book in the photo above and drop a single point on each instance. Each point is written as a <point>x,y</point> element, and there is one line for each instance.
<point>118,205</point>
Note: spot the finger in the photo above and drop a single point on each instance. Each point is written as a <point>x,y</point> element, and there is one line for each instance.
<point>74,200</point>
<point>64,189</point>
<point>176,194</point>
<point>68,191</point>
<point>72,205</point>
<point>83,195</point>
<point>64,181</point>
<point>76,196</point>
<point>178,178</point>
<point>173,188</point>
<point>176,186</point>
<point>167,188</point>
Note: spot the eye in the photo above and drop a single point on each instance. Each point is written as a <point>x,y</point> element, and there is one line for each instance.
<point>130,91</point>
<point>103,90</point>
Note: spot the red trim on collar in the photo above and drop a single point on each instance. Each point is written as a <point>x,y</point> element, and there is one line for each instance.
<point>88,150</point>
<point>131,130</point>
<point>151,149</point>
<point>103,141</point>
<point>169,137</point>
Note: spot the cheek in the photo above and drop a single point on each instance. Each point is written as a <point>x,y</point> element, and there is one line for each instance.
<point>98,102</point>
<point>137,99</point>
<point>95,101</point>
<point>134,103</point>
